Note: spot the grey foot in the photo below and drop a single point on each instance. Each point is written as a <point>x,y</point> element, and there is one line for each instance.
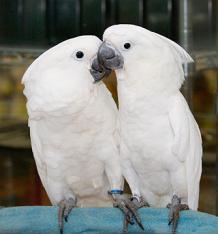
<point>65,207</point>
<point>129,207</point>
<point>174,208</point>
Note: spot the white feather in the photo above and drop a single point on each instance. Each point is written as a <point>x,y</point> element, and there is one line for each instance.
<point>187,146</point>
<point>72,125</point>
<point>160,140</point>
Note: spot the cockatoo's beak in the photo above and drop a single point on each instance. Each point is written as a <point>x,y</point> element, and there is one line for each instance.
<point>109,57</point>
<point>98,71</point>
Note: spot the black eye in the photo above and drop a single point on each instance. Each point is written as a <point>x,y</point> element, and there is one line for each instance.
<point>79,54</point>
<point>127,45</point>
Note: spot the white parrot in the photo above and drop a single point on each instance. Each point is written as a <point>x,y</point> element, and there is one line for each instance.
<point>160,148</point>
<point>73,127</point>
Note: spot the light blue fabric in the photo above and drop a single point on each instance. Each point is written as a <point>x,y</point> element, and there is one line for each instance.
<point>42,219</point>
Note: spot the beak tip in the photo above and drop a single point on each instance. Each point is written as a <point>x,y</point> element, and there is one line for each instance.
<point>98,72</point>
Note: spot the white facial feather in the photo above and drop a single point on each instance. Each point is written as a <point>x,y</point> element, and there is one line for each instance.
<point>57,78</point>
<point>152,57</point>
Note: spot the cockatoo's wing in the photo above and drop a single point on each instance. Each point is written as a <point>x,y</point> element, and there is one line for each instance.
<point>187,142</point>
<point>38,153</point>
<point>48,161</point>
<point>187,146</point>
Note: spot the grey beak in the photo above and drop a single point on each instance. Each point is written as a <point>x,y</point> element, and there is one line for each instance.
<point>98,71</point>
<point>109,57</point>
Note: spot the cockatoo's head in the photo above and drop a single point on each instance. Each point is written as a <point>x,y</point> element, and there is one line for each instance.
<point>62,76</point>
<point>136,53</point>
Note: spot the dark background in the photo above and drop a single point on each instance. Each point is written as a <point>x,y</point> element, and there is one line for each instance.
<point>42,23</point>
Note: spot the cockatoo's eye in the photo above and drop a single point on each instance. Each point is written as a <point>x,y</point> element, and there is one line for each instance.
<point>79,54</point>
<point>127,45</point>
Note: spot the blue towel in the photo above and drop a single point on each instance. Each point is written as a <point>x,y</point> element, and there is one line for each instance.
<point>42,219</point>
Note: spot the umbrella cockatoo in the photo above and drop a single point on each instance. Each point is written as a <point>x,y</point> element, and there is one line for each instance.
<point>73,127</point>
<point>160,148</point>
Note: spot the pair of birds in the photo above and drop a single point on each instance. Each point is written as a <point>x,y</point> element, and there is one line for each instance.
<point>83,146</point>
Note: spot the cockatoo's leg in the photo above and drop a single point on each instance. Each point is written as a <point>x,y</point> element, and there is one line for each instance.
<point>129,218</point>
<point>129,207</point>
<point>65,207</point>
<point>174,208</point>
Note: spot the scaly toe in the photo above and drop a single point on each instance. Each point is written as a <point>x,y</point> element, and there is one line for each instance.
<point>174,209</point>
<point>65,207</point>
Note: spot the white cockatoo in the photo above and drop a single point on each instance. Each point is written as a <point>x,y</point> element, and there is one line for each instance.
<point>160,146</point>
<point>73,127</point>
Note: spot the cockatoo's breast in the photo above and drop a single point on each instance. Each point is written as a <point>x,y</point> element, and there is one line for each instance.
<point>68,156</point>
<point>145,124</point>
<point>69,150</point>
<point>145,129</point>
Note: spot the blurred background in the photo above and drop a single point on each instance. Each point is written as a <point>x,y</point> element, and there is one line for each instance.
<point>29,27</point>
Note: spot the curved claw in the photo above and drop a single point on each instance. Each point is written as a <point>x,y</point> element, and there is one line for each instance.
<point>126,223</point>
<point>133,209</point>
<point>174,209</point>
<point>121,204</point>
<point>65,207</point>
<point>129,207</point>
